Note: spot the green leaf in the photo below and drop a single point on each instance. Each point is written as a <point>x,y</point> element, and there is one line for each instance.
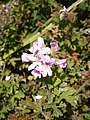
<point>19,95</point>
<point>71,100</point>
<point>68,96</point>
<point>82,6</point>
<point>50,86</point>
<point>56,91</point>
<point>26,111</point>
<point>35,114</point>
<point>2,116</point>
<point>60,70</point>
<point>57,82</point>
<point>57,112</point>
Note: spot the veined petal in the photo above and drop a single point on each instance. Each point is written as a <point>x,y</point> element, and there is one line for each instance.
<point>40,42</point>
<point>34,48</point>
<point>54,45</point>
<point>53,61</point>
<point>62,63</point>
<point>31,57</point>
<point>46,71</point>
<point>46,50</point>
<point>32,66</point>
<point>49,71</point>
<point>36,73</point>
<point>25,57</point>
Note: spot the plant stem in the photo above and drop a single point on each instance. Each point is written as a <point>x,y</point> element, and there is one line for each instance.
<point>84,84</point>
<point>2,74</point>
<point>46,117</point>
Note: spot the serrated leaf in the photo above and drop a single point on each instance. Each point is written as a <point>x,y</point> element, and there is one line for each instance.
<point>57,112</point>
<point>57,82</point>
<point>33,115</point>
<point>56,91</point>
<point>71,100</point>
<point>60,70</point>
<point>26,111</point>
<point>19,95</point>
<point>68,96</point>
<point>50,86</point>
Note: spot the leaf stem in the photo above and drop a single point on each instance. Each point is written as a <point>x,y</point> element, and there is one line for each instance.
<point>84,84</point>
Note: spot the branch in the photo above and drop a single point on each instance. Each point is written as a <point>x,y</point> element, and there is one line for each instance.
<point>84,84</point>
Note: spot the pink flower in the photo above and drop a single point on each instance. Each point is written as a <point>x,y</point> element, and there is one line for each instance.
<point>41,59</point>
<point>15,3</point>
<point>54,45</point>
<point>42,67</point>
<point>47,64</point>
<point>42,70</point>
<point>28,57</point>
<point>62,63</point>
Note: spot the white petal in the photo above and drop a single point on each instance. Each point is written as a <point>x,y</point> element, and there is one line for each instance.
<point>40,41</point>
<point>32,66</point>
<point>7,78</point>
<point>38,97</point>
<point>44,73</point>
<point>34,48</point>
<point>61,61</point>
<point>35,74</point>
<point>31,57</point>
<point>49,71</point>
<point>24,57</point>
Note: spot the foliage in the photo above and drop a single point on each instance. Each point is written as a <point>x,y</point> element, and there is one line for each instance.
<point>64,95</point>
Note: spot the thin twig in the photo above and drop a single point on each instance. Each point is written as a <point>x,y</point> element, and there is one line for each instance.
<point>74,5</point>
<point>84,84</point>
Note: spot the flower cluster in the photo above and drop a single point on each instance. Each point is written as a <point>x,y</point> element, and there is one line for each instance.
<point>41,58</point>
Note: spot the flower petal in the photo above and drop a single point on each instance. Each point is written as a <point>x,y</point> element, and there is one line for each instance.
<point>54,45</point>
<point>36,73</point>
<point>44,73</point>
<point>49,71</point>
<point>34,48</point>
<point>46,50</point>
<point>38,97</point>
<point>62,63</point>
<point>32,66</point>
<point>25,57</point>
<point>7,78</point>
<point>40,42</point>
<point>31,57</point>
